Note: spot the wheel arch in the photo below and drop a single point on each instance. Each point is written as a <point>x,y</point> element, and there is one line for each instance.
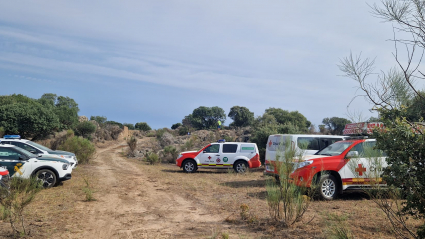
<point>187,159</point>
<point>46,167</point>
<point>330,172</point>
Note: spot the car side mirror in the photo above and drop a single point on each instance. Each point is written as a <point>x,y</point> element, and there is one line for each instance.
<point>352,154</point>
<point>33,151</point>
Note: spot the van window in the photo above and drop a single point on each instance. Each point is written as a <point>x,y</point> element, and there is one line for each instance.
<point>230,148</point>
<point>325,142</point>
<point>308,143</point>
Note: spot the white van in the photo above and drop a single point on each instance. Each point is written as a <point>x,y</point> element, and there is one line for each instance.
<point>308,143</point>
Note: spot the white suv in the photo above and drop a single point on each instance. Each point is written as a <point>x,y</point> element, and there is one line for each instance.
<point>21,163</point>
<point>39,149</point>
<point>237,155</point>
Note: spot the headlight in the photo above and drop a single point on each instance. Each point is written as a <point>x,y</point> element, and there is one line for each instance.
<point>180,155</point>
<point>65,166</point>
<point>303,164</point>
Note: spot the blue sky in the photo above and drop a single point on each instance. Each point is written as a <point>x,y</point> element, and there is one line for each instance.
<point>156,61</point>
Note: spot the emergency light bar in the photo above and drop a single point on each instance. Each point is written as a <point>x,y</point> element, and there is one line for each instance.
<point>12,137</point>
<point>221,141</point>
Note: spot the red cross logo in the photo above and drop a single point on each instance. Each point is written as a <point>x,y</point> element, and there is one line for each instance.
<point>270,143</point>
<point>360,170</point>
<point>209,157</point>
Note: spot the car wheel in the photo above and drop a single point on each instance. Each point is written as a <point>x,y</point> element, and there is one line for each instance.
<point>240,167</point>
<point>189,166</point>
<point>47,177</point>
<point>328,187</point>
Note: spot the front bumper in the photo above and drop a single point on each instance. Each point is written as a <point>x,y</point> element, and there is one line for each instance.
<point>66,177</point>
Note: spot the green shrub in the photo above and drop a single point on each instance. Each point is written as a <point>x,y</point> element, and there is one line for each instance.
<point>132,143</point>
<point>1,132</point>
<point>152,158</point>
<point>159,133</point>
<point>184,130</point>
<point>171,153</point>
<point>21,193</point>
<point>228,138</point>
<point>151,134</point>
<point>88,191</point>
<point>143,126</point>
<point>83,148</point>
<point>85,129</point>
<point>287,202</point>
<point>176,125</point>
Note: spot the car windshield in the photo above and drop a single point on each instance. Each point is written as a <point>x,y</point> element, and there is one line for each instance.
<point>24,152</point>
<point>39,146</point>
<point>335,148</point>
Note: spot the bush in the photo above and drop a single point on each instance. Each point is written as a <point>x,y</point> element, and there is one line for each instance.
<point>1,132</point>
<point>60,138</point>
<point>175,126</point>
<point>184,130</point>
<point>152,158</point>
<point>170,153</point>
<point>85,128</point>
<point>83,148</point>
<point>287,202</point>
<point>21,193</point>
<point>132,143</point>
<point>143,126</point>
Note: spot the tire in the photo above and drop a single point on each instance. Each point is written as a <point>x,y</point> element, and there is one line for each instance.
<point>328,187</point>
<point>47,177</point>
<point>240,167</point>
<point>189,166</point>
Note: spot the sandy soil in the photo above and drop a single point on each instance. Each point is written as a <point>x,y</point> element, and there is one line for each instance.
<point>137,200</point>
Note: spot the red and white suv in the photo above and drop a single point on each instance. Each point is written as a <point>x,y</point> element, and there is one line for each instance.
<point>237,155</point>
<point>341,166</point>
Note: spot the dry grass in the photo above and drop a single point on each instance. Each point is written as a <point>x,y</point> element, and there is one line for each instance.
<point>63,210</point>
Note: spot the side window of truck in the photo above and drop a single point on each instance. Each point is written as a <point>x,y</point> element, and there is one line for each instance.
<point>230,148</point>
<point>212,148</point>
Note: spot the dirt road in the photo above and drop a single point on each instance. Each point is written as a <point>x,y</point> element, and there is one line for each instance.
<point>132,205</point>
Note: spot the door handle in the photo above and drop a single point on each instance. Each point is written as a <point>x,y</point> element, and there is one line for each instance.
<point>218,155</point>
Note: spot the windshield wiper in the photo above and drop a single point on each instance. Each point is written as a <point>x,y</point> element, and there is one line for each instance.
<point>326,154</point>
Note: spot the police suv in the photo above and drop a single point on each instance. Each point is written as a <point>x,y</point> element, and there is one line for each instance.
<point>38,149</point>
<point>21,163</point>
<point>237,155</point>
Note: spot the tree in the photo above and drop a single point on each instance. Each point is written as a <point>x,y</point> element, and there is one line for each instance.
<point>143,126</point>
<point>99,119</point>
<point>64,107</point>
<point>241,116</point>
<point>335,125</point>
<point>293,117</point>
<point>129,125</point>
<point>28,120</point>
<point>176,125</point>
<point>115,123</point>
<point>205,117</point>
<point>85,129</point>
<point>398,101</point>
<point>266,125</point>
